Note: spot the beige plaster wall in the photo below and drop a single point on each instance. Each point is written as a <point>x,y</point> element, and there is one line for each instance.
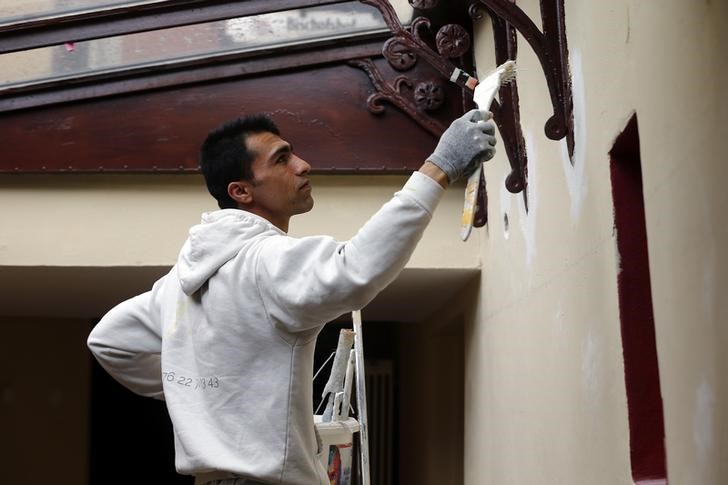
<point>143,220</point>
<point>545,400</point>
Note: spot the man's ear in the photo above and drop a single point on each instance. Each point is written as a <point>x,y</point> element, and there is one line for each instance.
<point>241,192</point>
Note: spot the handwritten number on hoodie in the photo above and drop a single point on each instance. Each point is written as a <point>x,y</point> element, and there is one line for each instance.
<point>211,382</point>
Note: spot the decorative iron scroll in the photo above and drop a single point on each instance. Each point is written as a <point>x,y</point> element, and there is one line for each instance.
<point>392,93</point>
<point>402,49</point>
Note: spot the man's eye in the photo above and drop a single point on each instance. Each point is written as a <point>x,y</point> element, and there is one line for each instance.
<point>283,158</point>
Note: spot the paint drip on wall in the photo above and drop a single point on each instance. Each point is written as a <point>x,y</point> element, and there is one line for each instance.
<point>590,368</point>
<point>526,219</point>
<point>575,168</point>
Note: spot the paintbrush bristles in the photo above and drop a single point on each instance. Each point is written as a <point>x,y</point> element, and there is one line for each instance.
<point>507,72</point>
<point>488,87</point>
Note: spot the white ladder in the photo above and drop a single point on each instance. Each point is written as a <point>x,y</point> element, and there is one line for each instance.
<point>334,425</point>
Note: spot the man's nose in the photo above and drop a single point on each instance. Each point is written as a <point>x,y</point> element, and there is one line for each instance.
<point>301,166</point>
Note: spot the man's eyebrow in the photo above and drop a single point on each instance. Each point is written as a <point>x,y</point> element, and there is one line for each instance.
<point>284,148</point>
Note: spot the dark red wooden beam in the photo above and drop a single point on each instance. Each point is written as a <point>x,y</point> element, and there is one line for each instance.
<point>320,109</point>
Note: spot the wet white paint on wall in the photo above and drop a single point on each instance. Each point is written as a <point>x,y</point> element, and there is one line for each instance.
<point>709,265</point>
<point>617,254</point>
<point>589,366</point>
<point>528,218</point>
<point>559,317</point>
<point>575,167</point>
<point>703,421</point>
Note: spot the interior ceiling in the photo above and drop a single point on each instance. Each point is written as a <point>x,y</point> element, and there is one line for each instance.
<point>89,292</point>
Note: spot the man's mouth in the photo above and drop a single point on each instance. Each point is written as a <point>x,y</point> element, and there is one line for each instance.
<point>305,185</point>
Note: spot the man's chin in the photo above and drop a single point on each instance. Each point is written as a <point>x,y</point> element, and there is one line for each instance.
<point>306,207</point>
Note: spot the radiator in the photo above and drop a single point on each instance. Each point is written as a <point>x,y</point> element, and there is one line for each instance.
<point>382,425</point>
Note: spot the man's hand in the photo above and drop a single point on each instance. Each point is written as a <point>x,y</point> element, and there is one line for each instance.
<point>468,141</point>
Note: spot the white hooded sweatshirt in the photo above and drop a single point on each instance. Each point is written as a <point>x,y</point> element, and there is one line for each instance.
<point>227,337</point>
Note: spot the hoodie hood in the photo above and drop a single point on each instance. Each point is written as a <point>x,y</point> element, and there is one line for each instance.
<point>214,242</point>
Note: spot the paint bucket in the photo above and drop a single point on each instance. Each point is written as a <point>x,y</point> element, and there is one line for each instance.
<point>338,438</point>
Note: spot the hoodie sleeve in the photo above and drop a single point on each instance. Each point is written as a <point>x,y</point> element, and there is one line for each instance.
<point>309,281</point>
<point>127,343</point>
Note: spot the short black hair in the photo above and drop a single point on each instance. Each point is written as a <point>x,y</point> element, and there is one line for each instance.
<point>225,157</point>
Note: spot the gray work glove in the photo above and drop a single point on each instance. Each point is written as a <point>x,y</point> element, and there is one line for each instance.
<point>468,141</point>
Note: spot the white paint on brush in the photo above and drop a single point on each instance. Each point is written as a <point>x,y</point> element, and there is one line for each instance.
<point>703,422</point>
<point>574,169</point>
<point>528,219</point>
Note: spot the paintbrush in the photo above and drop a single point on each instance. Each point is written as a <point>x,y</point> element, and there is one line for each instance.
<point>483,96</point>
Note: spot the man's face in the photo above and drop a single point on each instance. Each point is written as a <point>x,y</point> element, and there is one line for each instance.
<point>280,187</point>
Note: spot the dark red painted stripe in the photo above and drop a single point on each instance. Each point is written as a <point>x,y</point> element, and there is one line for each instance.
<point>642,377</point>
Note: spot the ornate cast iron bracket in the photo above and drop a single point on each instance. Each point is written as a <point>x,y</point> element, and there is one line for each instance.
<point>452,41</point>
<point>551,49</point>
<point>507,112</point>
<point>402,51</point>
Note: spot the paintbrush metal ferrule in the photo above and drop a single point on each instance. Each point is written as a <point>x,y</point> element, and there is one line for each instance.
<point>463,79</point>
